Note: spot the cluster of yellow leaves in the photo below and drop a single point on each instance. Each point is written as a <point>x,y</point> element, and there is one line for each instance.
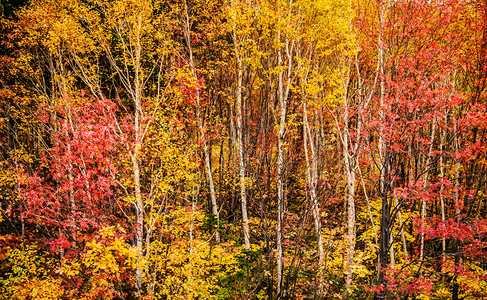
<point>171,161</point>
<point>471,280</point>
<point>184,262</point>
<point>337,246</point>
<point>31,276</point>
<point>105,261</point>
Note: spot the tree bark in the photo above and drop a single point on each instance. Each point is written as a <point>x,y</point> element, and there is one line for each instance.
<point>240,144</point>
<point>425,182</point>
<point>312,179</point>
<point>283,87</point>
<point>280,176</point>
<point>201,125</point>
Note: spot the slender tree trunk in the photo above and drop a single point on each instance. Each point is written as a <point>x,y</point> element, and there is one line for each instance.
<point>442,200</point>
<point>369,210</point>
<point>280,177</point>
<point>350,152</point>
<point>139,204</point>
<point>201,125</point>
<point>139,235</point>
<point>384,240</point>
<point>240,136</point>
<point>283,94</point>
<point>392,257</point>
<point>455,287</point>
<point>350,160</point>
<point>401,226</point>
<point>241,161</point>
<point>425,182</point>
<point>312,179</point>
<point>383,160</point>
<point>214,205</point>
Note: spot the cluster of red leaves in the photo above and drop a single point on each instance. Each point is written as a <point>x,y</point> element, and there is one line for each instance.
<point>76,192</point>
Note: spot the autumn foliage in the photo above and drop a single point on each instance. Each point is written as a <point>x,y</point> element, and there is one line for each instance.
<point>306,149</point>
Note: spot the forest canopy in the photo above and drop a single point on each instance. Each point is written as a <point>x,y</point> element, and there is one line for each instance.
<point>243,149</point>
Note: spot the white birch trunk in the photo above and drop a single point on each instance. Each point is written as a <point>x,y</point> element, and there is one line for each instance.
<point>283,94</point>
<point>241,162</point>
<point>280,177</point>
<point>201,126</point>
<point>425,182</point>
<point>312,179</point>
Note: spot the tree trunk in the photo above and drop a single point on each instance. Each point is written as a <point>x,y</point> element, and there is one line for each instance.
<point>139,202</point>
<point>384,168</point>
<point>403,237</point>
<point>350,167</point>
<point>136,163</point>
<point>201,125</point>
<point>442,200</point>
<point>425,182</point>
<point>454,283</point>
<point>312,179</point>
<point>280,178</point>
<point>240,143</point>
<point>241,162</point>
<point>283,94</point>
<point>209,174</point>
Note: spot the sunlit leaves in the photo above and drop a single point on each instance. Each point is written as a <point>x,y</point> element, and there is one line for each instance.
<point>32,275</point>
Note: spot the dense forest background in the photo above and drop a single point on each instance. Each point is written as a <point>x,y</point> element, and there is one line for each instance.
<point>238,149</point>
